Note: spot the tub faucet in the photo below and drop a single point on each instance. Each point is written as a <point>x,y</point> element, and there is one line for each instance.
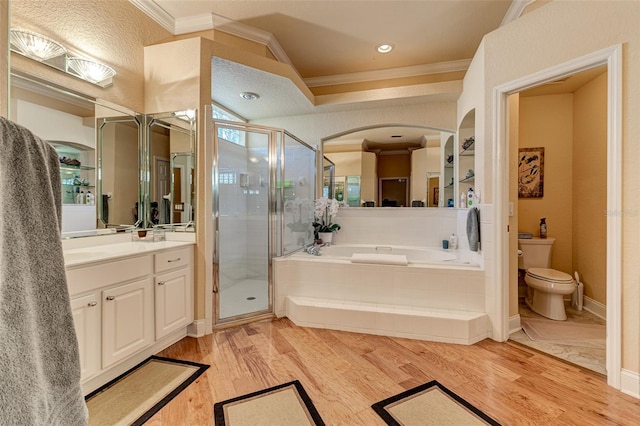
<point>315,249</point>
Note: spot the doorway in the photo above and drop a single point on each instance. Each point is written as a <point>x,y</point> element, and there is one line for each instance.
<point>612,58</point>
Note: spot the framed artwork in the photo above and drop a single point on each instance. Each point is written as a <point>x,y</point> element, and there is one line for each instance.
<point>531,172</point>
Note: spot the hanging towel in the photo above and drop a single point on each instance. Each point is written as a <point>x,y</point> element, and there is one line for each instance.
<point>473,228</point>
<point>105,208</point>
<point>39,360</point>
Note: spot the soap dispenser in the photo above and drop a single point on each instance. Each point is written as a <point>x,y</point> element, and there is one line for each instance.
<point>543,227</point>
<point>453,242</point>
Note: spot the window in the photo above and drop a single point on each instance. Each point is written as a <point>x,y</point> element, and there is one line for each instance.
<point>230,135</point>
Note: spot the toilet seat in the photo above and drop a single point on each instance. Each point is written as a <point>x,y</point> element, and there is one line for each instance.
<point>550,275</point>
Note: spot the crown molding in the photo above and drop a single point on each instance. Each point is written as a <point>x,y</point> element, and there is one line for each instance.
<point>247,32</point>
<point>515,10</point>
<point>411,71</point>
<point>155,12</point>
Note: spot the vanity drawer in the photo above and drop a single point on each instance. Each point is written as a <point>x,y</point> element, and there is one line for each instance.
<point>104,274</point>
<point>172,259</point>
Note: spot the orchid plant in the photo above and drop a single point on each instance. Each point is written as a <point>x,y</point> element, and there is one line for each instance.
<point>325,208</point>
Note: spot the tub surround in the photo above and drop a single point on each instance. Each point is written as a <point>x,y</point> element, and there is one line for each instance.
<point>438,302</point>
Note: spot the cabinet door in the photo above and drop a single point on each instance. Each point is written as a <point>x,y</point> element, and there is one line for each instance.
<point>127,320</point>
<point>86,317</point>
<point>174,306</point>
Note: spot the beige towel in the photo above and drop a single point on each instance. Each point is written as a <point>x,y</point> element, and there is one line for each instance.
<point>381,259</point>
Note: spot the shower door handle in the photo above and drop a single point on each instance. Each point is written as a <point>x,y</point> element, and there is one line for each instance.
<point>216,278</point>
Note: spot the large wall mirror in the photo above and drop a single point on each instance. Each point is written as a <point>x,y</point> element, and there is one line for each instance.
<point>172,140</point>
<point>106,151</point>
<point>388,166</point>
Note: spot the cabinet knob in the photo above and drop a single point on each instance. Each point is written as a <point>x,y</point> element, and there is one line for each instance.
<point>174,260</point>
<point>161,282</point>
<point>110,297</point>
<point>92,304</point>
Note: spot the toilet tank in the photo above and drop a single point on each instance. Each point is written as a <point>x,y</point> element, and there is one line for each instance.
<point>536,252</point>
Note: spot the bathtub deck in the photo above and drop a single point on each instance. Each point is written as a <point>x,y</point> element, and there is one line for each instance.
<point>438,325</point>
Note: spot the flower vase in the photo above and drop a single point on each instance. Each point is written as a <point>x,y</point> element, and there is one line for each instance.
<point>326,237</point>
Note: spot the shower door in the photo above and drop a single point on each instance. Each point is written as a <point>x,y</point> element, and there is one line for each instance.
<point>243,171</point>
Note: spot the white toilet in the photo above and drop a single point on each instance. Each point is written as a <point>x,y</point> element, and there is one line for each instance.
<point>546,287</point>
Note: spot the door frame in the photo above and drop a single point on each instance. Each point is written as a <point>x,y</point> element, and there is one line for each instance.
<point>612,57</point>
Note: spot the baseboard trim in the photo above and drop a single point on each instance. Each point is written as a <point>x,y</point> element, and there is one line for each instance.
<point>630,383</point>
<point>596,308</point>
<point>514,324</point>
<point>196,329</point>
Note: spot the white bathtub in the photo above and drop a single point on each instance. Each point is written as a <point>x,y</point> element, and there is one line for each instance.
<point>438,296</point>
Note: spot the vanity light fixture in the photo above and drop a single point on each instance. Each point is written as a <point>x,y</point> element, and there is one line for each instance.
<point>249,96</point>
<point>35,46</point>
<point>91,71</point>
<point>49,52</point>
<point>384,48</point>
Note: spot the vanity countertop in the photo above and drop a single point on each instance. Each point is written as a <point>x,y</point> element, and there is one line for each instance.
<point>100,253</point>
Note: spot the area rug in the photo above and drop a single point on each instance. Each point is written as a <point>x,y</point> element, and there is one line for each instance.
<point>283,405</point>
<point>430,404</point>
<point>135,396</point>
<point>565,333</point>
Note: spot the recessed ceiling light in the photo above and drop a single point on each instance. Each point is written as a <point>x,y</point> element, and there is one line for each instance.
<point>384,47</point>
<point>250,96</point>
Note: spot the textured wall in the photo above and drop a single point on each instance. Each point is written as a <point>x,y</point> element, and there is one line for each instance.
<point>112,32</point>
<point>4,64</point>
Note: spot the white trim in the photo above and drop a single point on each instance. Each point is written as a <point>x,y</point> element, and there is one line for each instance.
<point>158,14</point>
<point>190,24</point>
<point>220,23</point>
<point>514,324</point>
<point>612,57</point>
<point>410,71</point>
<point>197,328</point>
<point>630,383</point>
<point>515,11</point>
<point>596,308</point>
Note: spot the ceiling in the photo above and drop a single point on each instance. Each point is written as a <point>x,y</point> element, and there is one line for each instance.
<point>332,42</point>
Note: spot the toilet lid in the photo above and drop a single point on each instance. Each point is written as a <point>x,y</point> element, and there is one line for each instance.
<point>550,275</point>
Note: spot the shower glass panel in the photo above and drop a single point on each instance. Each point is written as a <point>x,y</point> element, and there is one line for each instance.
<point>298,193</point>
<point>242,250</point>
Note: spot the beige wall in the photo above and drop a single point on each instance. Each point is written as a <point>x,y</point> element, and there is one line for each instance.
<point>114,35</point>
<point>418,174</point>
<point>531,44</point>
<point>369,178</point>
<point>547,121</point>
<point>394,165</point>
<point>347,163</point>
<point>4,58</point>
<point>590,187</point>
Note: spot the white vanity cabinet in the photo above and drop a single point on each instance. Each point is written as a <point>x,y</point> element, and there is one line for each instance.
<point>128,307</point>
<point>127,320</point>
<point>173,291</point>
<point>86,316</point>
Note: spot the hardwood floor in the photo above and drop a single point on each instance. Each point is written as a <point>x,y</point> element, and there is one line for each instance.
<point>344,373</point>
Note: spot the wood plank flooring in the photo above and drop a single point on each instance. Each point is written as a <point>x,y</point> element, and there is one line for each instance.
<point>344,373</point>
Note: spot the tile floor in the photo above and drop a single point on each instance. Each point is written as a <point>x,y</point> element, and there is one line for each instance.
<point>591,358</point>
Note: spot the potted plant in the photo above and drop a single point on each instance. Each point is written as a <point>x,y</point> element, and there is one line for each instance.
<point>323,228</point>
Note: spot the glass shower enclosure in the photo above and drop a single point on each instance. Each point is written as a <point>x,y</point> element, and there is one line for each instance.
<point>264,183</point>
